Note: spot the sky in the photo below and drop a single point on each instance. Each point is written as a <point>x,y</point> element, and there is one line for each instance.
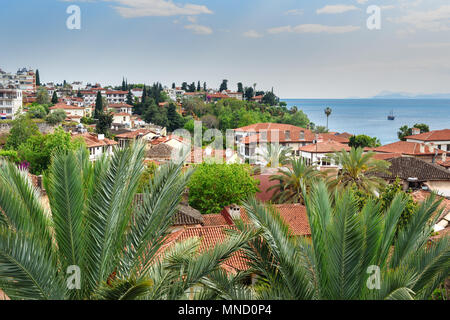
<point>301,48</point>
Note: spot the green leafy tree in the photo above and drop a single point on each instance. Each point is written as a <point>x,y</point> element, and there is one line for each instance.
<point>270,99</point>
<point>214,186</point>
<point>9,155</point>
<point>42,96</point>
<point>191,87</point>
<point>55,98</point>
<point>184,86</point>
<point>37,112</point>
<point>336,262</point>
<point>38,149</point>
<point>240,87</point>
<point>56,117</point>
<point>249,93</point>
<point>104,123</point>
<point>363,141</point>
<point>22,128</point>
<point>156,115</point>
<point>174,119</point>
<point>405,131</point>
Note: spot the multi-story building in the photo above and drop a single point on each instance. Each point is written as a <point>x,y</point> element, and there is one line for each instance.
<point>10,101</point>
<point>24,79</point>
<point>113,97</point>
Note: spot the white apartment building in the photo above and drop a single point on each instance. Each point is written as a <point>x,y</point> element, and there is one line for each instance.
<point>24,79</point>
<point>116,96</point>
<point>10,101</point>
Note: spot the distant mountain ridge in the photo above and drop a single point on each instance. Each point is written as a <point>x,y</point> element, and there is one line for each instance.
<point>405,95</point>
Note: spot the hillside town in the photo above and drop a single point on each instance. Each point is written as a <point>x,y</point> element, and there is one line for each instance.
<point>264,182</point>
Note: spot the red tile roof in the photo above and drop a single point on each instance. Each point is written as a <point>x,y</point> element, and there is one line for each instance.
<point>210,237</point>
<point>435,135</point>
<point>210,220</point>
<point>264,185</point>
<point>295,216</point>
<point>115,92</point>
<point>325,147</point>
<point>386,156</point>
<point>445,164</point>
<point>277,133</point>
<point>133,134</point>
<point>92,140</point>
<point>65,106</point>
<point>407,148</point>
<point>120,105</point>
<point>333,137</point>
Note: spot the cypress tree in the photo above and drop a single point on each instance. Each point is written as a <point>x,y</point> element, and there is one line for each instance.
<point>144,94</point>
<point>173,85</point>
<point>38,78</point>
<point>240,87</point>
<point>204,86</point>
<point>54,98</point>
<point>199,88</point>
<point>98,104</point>
<point>123,84</point>
<point>130,98</point>
<point>224,85</point>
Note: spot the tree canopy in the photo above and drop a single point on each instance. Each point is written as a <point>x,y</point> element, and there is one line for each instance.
<point>214,186</point>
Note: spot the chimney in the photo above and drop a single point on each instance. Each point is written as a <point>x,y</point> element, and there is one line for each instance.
<point>101,137</point>
<point>444,157</point>
<point>231,213</point>
<point>415,131</point>
<point>235,212</point>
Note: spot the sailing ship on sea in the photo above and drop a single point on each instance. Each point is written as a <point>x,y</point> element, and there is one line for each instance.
<point>391,116</point>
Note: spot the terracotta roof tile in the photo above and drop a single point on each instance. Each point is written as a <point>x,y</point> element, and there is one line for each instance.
<point>406,148</point>
<point>435,135</point>
<point>325,147</point>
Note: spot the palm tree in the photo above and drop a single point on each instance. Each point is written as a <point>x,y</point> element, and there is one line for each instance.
<point>95,227</point>
<point>274,155</point>
<point>358,169</point>
<point>328,112</point>
<point>294,181</point>
<point>352,254</point>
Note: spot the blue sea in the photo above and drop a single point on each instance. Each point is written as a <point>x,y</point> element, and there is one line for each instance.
<point>369,116</point>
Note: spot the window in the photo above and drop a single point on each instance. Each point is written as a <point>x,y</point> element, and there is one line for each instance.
<point>264,135</point>
<point>287,135</point>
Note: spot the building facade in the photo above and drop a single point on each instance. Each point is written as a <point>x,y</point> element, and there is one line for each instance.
<point>10,101</point>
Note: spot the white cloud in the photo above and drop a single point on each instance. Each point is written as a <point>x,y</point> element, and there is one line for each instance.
<point>294,12</point>
<point>199,29</point>
<point>313,28</point>
<point>432,20</point>
<point>252,34</point>
<point>154,8</point>
<point>333,9</point>
<point>362,1</point>
<point>192,19</point>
